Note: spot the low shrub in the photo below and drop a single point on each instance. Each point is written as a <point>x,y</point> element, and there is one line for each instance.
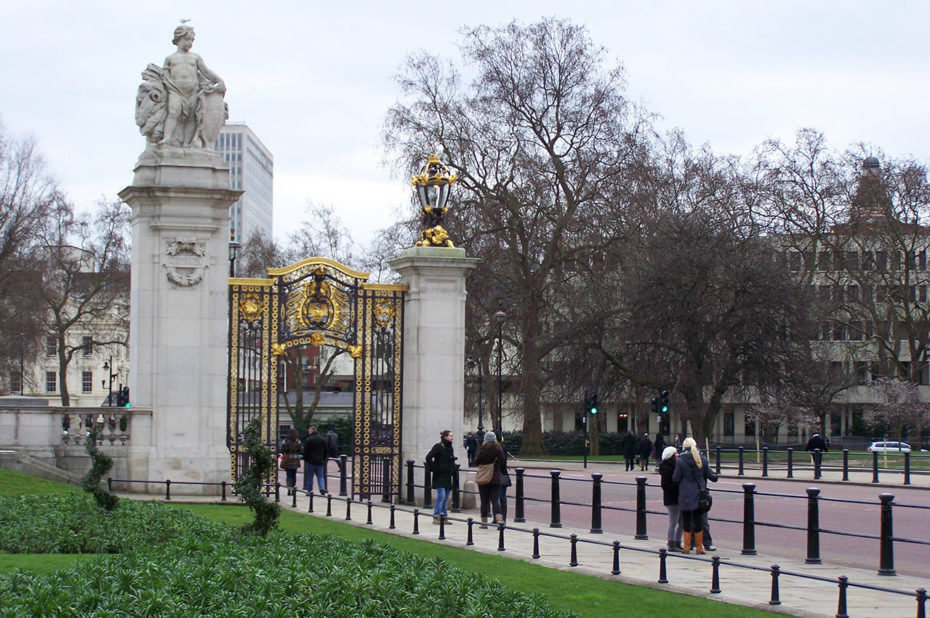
<point>217,572</point>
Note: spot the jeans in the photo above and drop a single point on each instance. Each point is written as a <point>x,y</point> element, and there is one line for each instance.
<point>291,476</point>
<point>319,472</point>
<point>442,501</point>
<point>674,524</point>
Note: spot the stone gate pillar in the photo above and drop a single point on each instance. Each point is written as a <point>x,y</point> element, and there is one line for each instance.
<point>180,202</point>
<point>434,347</point>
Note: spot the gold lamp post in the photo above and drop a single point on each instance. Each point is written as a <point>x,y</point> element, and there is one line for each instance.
<point>433,184</point>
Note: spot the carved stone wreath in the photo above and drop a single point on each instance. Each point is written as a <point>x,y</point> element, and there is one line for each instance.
<point>185,262</point>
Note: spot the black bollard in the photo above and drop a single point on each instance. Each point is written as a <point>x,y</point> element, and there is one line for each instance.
<point>368,521</point>
<point>717,459</point>
<point>790,463</point>
<point>616,569</point>
<point>442,528</point>
<point>818,457</point>
<point>411,499</point>
<point>596,503</point>
<point>886,554</point>
<point>427,488</point>
<point>329,504</point>
<point>813,527</point>
<point>775,600</point>
<point>536,543</point>
<point>168,489</point>
<point>663,574</point>
<point>342,474</point>
<point>740,472</point>
<point>391,525</point>
<point>470,539</point>
<point>921,594</point>
<point>641,509</point>
<point>456,495</point>
<point>907,468</point>
<point>223,491</point>
<point>519,516</point>
<point>556,519</point>
<point>841,603</point>
<point>765,461</point>
<point>310,507</point>
<point>573,559</point>
<point>416,521</point>
<point>500,536</point>
<point>845,464</point>
<point>715,577</point>
<point>874,466</point>
<point>348,510</point>
<point>277,492</point>
<point>749,519</point>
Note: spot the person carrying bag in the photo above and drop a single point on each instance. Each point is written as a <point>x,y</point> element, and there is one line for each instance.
<point>491,470</point>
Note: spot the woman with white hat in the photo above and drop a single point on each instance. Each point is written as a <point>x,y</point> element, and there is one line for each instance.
<point>670,497</point>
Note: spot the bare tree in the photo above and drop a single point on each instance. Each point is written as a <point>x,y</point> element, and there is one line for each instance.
<point>259,254</point>
<point>85,280</point>
<point>900,407</point>
<point>323,235</point>
<point>541,140</point>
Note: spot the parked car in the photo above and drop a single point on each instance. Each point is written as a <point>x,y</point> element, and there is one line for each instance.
<point>890,446</point>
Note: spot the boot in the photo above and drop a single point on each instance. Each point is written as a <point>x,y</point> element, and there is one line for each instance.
<point>672,546</point>
<point>699,543</point>
<point>446,520</point>
<point>687,548</point>
<point>484,522</point>
<point>498,519</point>
<point>436,519</point>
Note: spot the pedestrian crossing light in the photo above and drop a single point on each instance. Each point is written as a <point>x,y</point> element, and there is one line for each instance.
<point>592,404</point>
<point>663,402</point>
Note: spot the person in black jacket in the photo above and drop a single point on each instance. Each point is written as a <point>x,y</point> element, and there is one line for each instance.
<point>315,461</point>
<point>628,448</point>
<point>692,473</point>
<point>441,463</point>
<point>490,493</point>
<point>645,450</point>
<point>670,497</point>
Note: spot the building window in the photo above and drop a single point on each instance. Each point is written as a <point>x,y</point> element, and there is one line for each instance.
<point>728,424</point>
<point>88,346</point>
<point>51,346</point>
<point>862,372</point>
<point>51,382</point>
<point>87,381</point>
<point>16,385</point>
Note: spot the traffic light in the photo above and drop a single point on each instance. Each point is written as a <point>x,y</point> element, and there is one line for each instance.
<point>655,405</point>
<point>122,397</point>
<point>592,404</point>
<point>663,402</point>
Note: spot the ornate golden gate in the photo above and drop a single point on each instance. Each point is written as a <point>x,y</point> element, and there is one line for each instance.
<point>320,302</point>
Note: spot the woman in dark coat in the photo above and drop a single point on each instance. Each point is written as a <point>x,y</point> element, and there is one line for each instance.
<point>692,473</point>
<point>441,463</point>
<point>491,452</point>
<point>670,497</point>
<point>291,449</point>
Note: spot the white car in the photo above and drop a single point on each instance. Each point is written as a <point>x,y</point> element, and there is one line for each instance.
<point>889,447</point>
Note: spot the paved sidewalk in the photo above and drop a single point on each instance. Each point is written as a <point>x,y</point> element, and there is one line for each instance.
<point>639,561</point>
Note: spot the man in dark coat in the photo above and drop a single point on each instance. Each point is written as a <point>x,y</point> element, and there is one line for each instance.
<point>332,447</point>
<point>645,450</point>
<point>628,448</point>
<point>814,444</point>
<point>471,447</point>
<point>315,461</point>
<point>440,461</point>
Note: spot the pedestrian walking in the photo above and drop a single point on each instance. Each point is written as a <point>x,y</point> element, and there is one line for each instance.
<point>628,447</point>
<point>440,461</point>
<point>670,497</point>
<point>505,481</point>
<point>315,461</point>
<point>692,472</point>
<point>471,447</point>
<point>332,447</point>
<point>491,469</point>
<point>814,444</point>
<point>658,448</point>
<point>291,451</point>
<point>645,451</point>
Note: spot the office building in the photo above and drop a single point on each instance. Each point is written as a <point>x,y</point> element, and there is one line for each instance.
<point>251,169</point>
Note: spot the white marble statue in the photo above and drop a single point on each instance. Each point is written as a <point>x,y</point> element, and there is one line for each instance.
<point>181,103</point>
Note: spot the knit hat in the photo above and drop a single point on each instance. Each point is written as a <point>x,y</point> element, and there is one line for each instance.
<point>668,452</point>
<point>489,437</point>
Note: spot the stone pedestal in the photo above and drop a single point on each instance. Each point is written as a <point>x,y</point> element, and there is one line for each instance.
<point>180,202</point>
<point>434,347</point>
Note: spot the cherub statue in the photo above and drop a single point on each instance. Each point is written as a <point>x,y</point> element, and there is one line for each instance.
<point>181,104</point>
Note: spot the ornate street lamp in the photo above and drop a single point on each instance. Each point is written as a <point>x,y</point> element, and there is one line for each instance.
<point>108,367</point>
<point>22,349</point>
<point>500,316</point>
<point>472,362</point>
<point>233,254</point>
<point>433,184</point>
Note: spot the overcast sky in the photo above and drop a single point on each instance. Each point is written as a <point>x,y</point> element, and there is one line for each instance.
<point>314,79</point>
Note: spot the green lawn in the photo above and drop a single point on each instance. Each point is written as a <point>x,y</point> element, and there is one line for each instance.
<point>581,594</point>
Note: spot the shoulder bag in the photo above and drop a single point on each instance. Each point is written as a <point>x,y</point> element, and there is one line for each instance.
<point>485,474</point>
